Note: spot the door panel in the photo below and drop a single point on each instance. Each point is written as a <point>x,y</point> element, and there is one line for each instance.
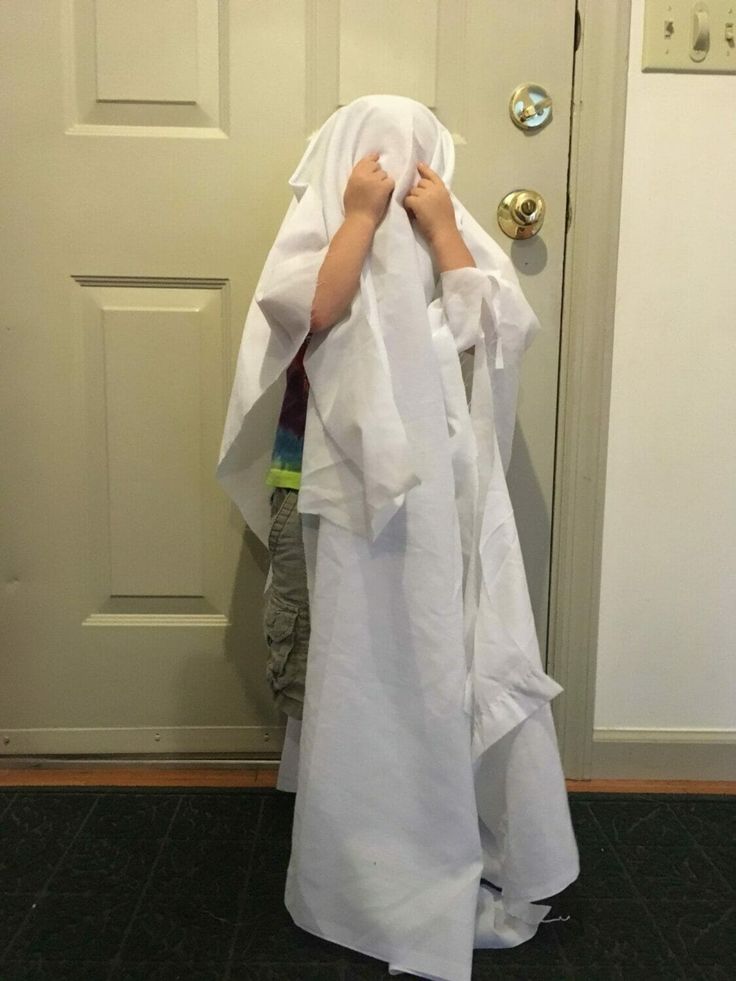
<point>145,178</point>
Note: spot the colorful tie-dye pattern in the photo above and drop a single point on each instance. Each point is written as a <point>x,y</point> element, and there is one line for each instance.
<point>286,460</point>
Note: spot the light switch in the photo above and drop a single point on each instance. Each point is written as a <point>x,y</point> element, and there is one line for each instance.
<point>689,36</point>
<point>700,41</point>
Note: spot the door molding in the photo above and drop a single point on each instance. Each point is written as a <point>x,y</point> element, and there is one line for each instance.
<point>589,300</point>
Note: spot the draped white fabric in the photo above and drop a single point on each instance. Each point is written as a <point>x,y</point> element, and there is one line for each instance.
<point>427,756</point>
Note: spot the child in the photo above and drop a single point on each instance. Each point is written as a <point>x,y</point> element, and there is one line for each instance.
<point>431,811</point>
<point>286,608</point>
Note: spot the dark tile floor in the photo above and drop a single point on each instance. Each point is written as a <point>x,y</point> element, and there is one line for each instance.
<point>155,885</point>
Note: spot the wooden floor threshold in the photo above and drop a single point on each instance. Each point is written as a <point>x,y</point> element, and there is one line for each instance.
<point>235,774</point>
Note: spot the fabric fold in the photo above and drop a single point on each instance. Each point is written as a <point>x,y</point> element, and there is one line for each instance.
<point>361,481</point>
<point>502,924</point>
<point>275,328</point>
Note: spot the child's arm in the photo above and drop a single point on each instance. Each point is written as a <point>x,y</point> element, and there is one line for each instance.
<point>450,251</point>
<point>430,205</point>
<point>337,281</point>
<point>366,199</point>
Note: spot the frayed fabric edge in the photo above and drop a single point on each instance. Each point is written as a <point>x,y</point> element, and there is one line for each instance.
<point>505,923</point>
<point>513,705</point>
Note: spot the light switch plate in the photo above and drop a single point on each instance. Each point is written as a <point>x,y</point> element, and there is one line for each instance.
<point>669,32</point>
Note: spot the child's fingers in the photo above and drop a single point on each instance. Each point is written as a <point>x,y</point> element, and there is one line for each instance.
<point>369,162</point>
<point>426,171</point>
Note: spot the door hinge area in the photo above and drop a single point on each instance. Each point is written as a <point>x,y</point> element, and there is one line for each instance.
<point>568,214</point>
<point>578,29</point>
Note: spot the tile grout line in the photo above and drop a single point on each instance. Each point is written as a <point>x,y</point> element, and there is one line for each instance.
<point>12,797</point>
<point>643,899</point>
<point>115,961</point>
<point>43,893</point>
<point>343,966</point>
<point>244,893</point>
<point>571,968</point>
<point>703,853</point>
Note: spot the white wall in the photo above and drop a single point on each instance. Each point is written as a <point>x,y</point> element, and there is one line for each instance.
<point>667,637</point>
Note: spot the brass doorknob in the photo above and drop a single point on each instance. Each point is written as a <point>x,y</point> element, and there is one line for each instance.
<point>521,213</point>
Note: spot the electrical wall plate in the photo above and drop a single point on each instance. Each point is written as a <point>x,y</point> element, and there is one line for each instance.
<point>689,36</point>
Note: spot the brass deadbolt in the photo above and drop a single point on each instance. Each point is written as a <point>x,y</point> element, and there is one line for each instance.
<point>530,107</point>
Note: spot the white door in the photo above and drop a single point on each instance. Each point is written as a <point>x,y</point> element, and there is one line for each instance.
<point>146,156</point>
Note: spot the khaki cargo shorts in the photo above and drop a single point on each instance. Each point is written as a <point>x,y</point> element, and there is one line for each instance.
<point>286,605</point>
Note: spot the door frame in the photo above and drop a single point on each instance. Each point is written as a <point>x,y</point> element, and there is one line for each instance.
<point>589,299</point>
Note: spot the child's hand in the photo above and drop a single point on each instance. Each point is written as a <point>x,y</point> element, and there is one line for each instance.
<point>368,189</point>
<point>430,203</point>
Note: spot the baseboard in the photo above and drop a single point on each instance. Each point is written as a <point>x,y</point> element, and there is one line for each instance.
<point>664,754</point>
<point>144,740</point>
<point>669,755</point>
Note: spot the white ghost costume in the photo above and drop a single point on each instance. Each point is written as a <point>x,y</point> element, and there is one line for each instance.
<point>426,758</point>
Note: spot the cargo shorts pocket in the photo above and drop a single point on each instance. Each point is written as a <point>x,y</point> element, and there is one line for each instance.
<point>279,627</point>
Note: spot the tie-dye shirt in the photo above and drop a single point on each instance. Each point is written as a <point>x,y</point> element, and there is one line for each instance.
<point>286,460</point>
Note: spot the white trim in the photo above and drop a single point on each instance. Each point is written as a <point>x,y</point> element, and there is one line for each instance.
<point>664,754</point>
<point>723,737</point>
<point>596,158</point>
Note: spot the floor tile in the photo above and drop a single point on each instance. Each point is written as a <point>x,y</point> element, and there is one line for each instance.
<point>700,931</point>
<point>40,969</point>
<point>264,892</point>
<point>105,865</point>
<point>273,937</point>
<point>165,971</point>
<point>709,972</point>
<point>527,972</point>
<point>709,822</point>
<point>631,822</point>
<point>13,910</point>
<point>74,928</point>
<point>180,931</point>
<point>6,799</point>
<point>674,872</point>
<point>169,884</point>
<point>270,854</point>
<point>723,858</point>
<point>131,815</point>
<point>374,971</point>
<point>626,972</point>
<point>602,873</point>
<point>277,818</point>
<point>27,861</point>
<point>584,822</point>
<point>211,867</point>
<point>543,950</point>
<point>289,971</point>
<point>216,816</point>
<point>45,815</point>
<point>609,933</point>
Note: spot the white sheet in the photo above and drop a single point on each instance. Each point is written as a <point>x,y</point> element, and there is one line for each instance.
<point>427,756</point>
